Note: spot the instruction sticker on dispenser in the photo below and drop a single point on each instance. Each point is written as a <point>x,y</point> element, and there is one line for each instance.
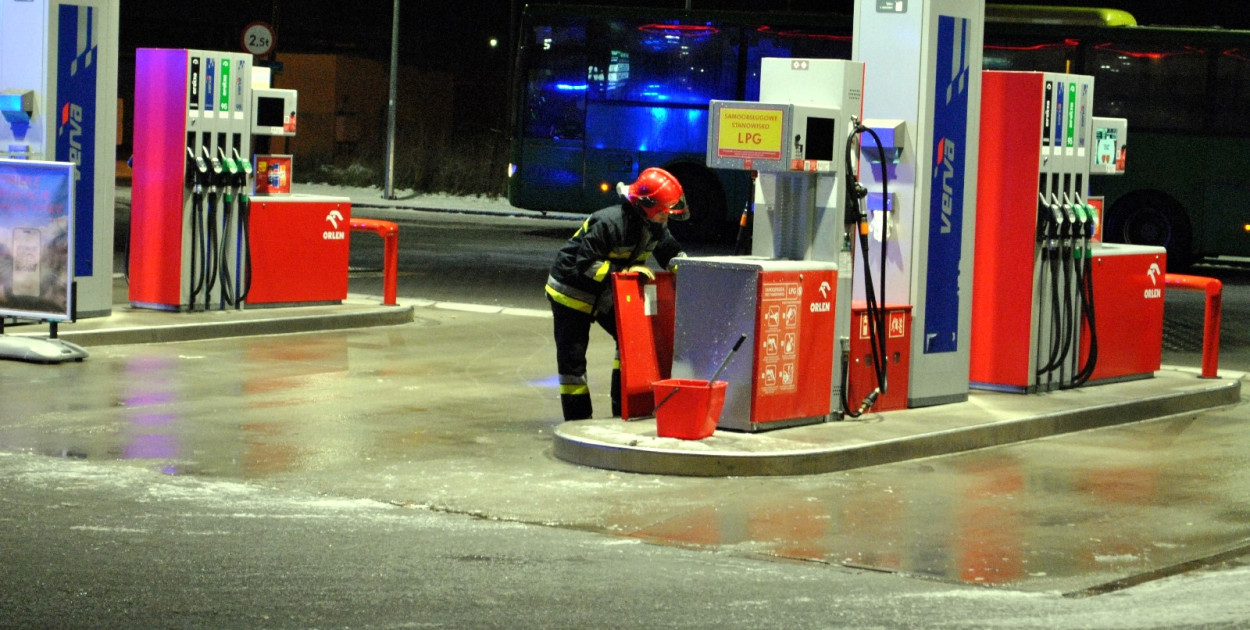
<point>780,310</point>
<point>238,90</point>
<point>750,133</point>
<point>210,75</point>
<point>224,104</point>
<point>1047,104</point>
<point>273,175</point>
<point>1071,130</point>
<point>193,87</point>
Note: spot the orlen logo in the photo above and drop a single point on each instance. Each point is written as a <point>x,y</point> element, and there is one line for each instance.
<point>334,233</point>
<point>827,305</point>
<point>1154,293</point>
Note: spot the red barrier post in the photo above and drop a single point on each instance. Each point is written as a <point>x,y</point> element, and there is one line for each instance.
<point>390,253</point>
<point>1214,290</point>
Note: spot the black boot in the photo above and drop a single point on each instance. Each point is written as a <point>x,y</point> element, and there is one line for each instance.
<point>576,406</point>
<point>616,392</point>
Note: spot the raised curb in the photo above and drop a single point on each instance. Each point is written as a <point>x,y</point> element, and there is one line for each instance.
<point>987,419</point>
<point>228,324</point>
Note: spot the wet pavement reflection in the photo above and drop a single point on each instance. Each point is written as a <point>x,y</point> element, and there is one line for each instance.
<point>455,411</point>
<point>1068,514</point>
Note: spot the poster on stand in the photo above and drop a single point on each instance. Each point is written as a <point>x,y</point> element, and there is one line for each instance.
<point>36,239</point>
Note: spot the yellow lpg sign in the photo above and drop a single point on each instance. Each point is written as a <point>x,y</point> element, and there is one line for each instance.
<point>750,133</point>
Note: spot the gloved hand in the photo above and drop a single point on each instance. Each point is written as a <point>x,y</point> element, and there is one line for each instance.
<point>672,264</point>
<point>644,270</point>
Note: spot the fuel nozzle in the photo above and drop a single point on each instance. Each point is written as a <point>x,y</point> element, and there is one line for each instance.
<point>198,171</point>
<point>855,192</point>
<point>240,174</point>
<point>1050,217</point>
<point>229,164</point>
<point>245,165</point>
<point>869,401</point>
<point>230,176</point>
<point>1087,217</point>
<point>216,170</point>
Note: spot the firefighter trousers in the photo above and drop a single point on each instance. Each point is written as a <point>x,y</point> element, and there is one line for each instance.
<point>572,335</point>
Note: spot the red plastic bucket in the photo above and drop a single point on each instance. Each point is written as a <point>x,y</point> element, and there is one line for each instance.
<point>692,412</point>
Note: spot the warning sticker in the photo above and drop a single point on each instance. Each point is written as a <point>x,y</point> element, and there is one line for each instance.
<point>779,332</point>
<point>749,133</point>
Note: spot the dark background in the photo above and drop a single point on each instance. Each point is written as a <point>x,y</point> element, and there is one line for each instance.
<point>453,35</point>
<point>448,41</point>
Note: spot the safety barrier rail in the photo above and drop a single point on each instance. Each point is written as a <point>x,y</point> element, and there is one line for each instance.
<point>1214,290</point>
<point>390,253</point>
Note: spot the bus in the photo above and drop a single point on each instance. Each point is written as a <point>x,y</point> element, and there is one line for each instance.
<point>601,93</point>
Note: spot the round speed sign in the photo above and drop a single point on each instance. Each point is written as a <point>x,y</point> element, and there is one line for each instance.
<point>258,38</point>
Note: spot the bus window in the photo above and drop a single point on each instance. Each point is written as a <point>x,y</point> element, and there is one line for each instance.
<point>649,84</point>
<point>555,92</point>
<point>1231,98</point>
<point>785,41</point>
<point>656,62</point>
<point>1033,55</point>
<point>1156,87</point>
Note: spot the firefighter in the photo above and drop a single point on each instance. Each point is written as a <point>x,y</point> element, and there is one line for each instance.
<point>617,238</point>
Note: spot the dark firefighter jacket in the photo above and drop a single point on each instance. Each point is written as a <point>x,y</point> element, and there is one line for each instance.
<point>612,239</point>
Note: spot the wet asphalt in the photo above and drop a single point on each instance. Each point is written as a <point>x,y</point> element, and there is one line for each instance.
<point>402,475</point>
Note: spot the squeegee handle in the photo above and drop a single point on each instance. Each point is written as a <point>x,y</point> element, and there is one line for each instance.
<point>737,345</point>
<point>727,358</point>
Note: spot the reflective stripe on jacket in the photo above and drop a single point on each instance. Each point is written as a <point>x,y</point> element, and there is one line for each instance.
<point>610,240</point>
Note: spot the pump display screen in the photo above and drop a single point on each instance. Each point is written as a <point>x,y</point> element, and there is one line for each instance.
<point>270,111</point>
<point>819,139</point>
<point>274,111</point>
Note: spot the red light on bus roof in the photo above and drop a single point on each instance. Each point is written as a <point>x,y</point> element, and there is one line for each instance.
<point>679,29</point>
<point>795,33</point>
<point>1067,43</point>
<point>1153,56</point>
<point>1235,53</point>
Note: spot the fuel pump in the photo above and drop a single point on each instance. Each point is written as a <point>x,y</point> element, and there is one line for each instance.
<point>185,224</point>
<point>790,297</point>
<point>1036,328</point>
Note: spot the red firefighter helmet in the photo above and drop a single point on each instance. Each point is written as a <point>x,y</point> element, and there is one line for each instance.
<point>654,191</point>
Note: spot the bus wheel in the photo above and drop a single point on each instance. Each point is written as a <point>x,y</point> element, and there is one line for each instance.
<point>706,199</point>
<point>1152,217</point>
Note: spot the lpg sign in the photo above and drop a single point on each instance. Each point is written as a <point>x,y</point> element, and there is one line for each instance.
<point>750,133</point>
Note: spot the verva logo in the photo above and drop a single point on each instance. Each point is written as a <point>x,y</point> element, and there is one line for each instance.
<point>71,124</point>
<point>946,155</point>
